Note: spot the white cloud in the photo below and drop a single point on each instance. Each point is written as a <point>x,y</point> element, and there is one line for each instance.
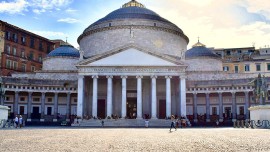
<point>68,20</point>
<point>13,7</point>
<point>50,4</point>
<point>37,11</point>
<point>50,34</point>
<point>69,10</point>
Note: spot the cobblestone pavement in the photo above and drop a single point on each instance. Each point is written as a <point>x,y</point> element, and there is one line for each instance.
<point>104,139</point>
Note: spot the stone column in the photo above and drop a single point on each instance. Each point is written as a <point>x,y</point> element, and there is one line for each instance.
<point>95,95</point>
<point>154,97</point>
<point>2,100</point>
<point>183,101</point>
<point>168,96</point>
<point>29,106</point>
<point>220,102</point>
<point>195,112</point>
<point>68,107</point>
<point>109,95</point>
<point>139,97</point>
<point>234,112</point>
<point>207,107</point>
<point>80,95</point>
<point>247,104</point>
<point>16,101</point>
<point>124,97</point>
<point>55,104</point>
<point>42,106</point>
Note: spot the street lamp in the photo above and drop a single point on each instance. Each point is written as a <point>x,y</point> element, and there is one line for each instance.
<point>2,92</point>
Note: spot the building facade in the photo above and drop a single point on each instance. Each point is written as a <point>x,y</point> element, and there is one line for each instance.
<point>132,64</point>
<point>21,50</point>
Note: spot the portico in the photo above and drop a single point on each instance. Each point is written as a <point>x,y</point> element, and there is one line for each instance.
<point>149,75</point>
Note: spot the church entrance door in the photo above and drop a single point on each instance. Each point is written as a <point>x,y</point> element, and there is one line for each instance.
<point>131,108</point>
<point>101,111</point>
<point>162,109</point>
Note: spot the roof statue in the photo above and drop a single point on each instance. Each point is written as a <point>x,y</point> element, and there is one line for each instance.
<point>260,91</point>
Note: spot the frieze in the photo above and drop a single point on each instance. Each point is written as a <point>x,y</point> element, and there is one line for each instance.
<point>123,70</point>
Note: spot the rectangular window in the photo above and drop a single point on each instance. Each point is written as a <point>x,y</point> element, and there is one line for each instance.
<point>21,110</point>
<point>31,55</point>
<point>23,54</point>
<point>15,38</point>
<point>22,99</point>
<point>258,67</point>
<point>247,67</point>
<point>7,99</point>
<point>214,110</point>
<point>8,49</point>
<point>236,69</point>
<point>239,51</point>
<point>33,68</point>
<point>49,111</point>
<point>40,46</point>
<point>36,99</point>
<point>15,65</point>
<point>75,100</point>
<point>49,100</point>
<point>23,67</point>
<point>14,52</point>
<point>225,68</point>
<point>268,66</point>
<point>39,58</point>
<point>48,48</point>
<point>8,64</point>
<point>228,52</point>
<point>23,40</point>
<point>241,110</point>
<point>32,42</point>
<point>7,35</point>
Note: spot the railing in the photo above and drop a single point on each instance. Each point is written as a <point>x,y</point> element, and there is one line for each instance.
<point>251,124</point>
<point>6,123</point>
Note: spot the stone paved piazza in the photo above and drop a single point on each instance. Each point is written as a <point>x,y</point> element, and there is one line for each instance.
<point>59,139</point>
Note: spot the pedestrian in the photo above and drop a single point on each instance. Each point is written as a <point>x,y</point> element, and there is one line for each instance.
<point>217,123</point>
<point>16,121</point>
<point>21,121</point>
<point>102,123</point>
<point>146,123</point>
<point>172,123</point>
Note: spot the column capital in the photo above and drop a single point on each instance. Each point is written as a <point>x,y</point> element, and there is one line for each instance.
<point>139,76</point>
<point>43,92</point>
<point>182,76</point>
<point>95,76</point>
<point>194,93</point>
<point>233,92</point>
<point>17,92</point>
<point>168,77</point>
<point>109,76</point>
<point>81,76</point>
<point>124,76</point>
<point>68,93</point>
<point>30,92</point>
<point>153,76</point>
<point>220,93</point>
<point>246,92</point>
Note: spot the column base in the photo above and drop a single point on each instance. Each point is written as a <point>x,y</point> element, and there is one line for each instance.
<point>67,120</point>
<point>28,120</point>
<point>54,120</point>
<point>42,120</point>
<point>220,120</point>
<point>233,120</point>
<point>207,120</point>
<point>195,120</point>
<point>139,118</point>
<point>155,118</point>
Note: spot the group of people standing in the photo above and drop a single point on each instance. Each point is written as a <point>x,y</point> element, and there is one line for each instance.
<point>18,121</point>
<point>176,122</point>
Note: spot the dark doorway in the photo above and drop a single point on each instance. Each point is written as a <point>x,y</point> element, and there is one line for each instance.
<point>21,110</point>
<point>101,111</point>
<point>49,111</point>
<point>162,109</point>
<point>132,108</point>
<point>35,114</point>
<point>228,112</point>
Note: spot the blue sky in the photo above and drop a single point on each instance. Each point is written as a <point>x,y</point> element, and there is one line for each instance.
<point>218,23</point>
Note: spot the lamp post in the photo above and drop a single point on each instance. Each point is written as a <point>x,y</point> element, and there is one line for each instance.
<point>2,92</point>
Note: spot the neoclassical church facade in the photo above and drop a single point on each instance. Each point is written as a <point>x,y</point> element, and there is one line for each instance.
<point>134,64</point>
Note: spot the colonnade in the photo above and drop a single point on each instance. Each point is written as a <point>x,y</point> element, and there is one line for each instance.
<point>182,94</point>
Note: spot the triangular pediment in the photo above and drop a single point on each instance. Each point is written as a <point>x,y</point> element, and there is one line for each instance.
<point>131,56</point>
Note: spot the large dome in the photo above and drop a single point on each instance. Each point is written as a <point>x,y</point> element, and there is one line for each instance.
<point>133,23</point>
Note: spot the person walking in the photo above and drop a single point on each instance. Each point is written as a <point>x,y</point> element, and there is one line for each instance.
<point>21,121</point>
<point>16,121</point>
<point>172,123</point>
